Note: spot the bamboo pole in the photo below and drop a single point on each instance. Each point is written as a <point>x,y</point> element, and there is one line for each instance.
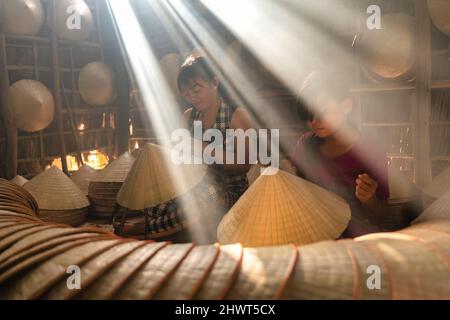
<point>57,88</point>
<point>423,99</point>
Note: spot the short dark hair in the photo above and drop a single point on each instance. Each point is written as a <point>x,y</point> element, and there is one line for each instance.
<point>331,84</point>
<point>195,67</point>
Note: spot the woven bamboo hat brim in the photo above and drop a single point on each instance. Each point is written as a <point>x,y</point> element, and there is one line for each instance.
<point>155,179</point>
<point>115,278</point>
<point>223,274</point>
<point>191,273</point>
<point>117,170</point>
<point>19,180</point>
<point>83,177</point>
<point>282,208</point>
<point>321,265</point>
<point>439,209</point>
<point>264,273</point>
<point>53,190</point>
<point>364,258</point>
<point>416,272</point>
<point>438,241</point>
<point>439,185</point>
<point>400,186</point>
<point>39,279</point>
<point>32,104</point>
<point>155,272</point>
<point>93,269</point>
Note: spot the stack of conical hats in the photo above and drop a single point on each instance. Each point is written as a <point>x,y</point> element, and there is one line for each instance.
<point>83,177</point>
<point>155,179</point>
<point>59,199</point>
<point>19,180</point>
<point>280,208</point>
<point>438,187</point>
<point>104,187</point>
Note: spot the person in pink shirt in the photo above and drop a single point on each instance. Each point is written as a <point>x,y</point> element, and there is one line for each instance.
<point>334,155</point>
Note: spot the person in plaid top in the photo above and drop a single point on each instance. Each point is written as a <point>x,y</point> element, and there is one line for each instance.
<point>224,183</point>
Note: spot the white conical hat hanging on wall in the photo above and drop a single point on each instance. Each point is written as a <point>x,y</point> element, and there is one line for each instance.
<point>439,14</point>
<point>96,84</point>
<point>390,52</point>
<point>32,105</point>
<point>19,180</point>
<point>53,190</point>
<point>439,185</point>
<point>83,177</point>
<point>155,179</point>
<point>23,17</point>
<point>280,208</point>
<point>117,170</point>
<point>74,20</point>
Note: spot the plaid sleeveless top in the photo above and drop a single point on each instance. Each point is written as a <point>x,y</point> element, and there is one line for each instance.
<point>233,184</point>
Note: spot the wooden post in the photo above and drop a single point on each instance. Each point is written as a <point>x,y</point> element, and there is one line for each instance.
<point>123,114</point>
<point>423,99</point>
<point>41,138</point>
<point>11,129</point>
<point>57,88</point>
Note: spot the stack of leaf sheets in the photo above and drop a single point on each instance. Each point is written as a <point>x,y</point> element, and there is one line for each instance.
<point>103,188</point>
<point>17,199</point>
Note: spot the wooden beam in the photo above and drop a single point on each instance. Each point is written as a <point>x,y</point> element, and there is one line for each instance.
<point>57,88</point>
<point>423,96</point>
<point>11,129</point>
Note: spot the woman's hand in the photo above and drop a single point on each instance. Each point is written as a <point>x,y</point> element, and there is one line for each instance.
<point>366,188</point>
<point>287,165</point>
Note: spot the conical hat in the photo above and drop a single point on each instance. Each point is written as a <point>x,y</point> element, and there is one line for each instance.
<point>439,185</point>
<point>437,210</point>
<point>83,177</point>
<point>400,186</point>
<point>96,84</point>
<point>117,170</point>
<point>280,208</point>
<point>439,12</point>
<point>389,52</point>
<point>32,105</point>
<point>53,190</point>
<point>19,180</point>
<point>151,181</point>
<point>24,17</point>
